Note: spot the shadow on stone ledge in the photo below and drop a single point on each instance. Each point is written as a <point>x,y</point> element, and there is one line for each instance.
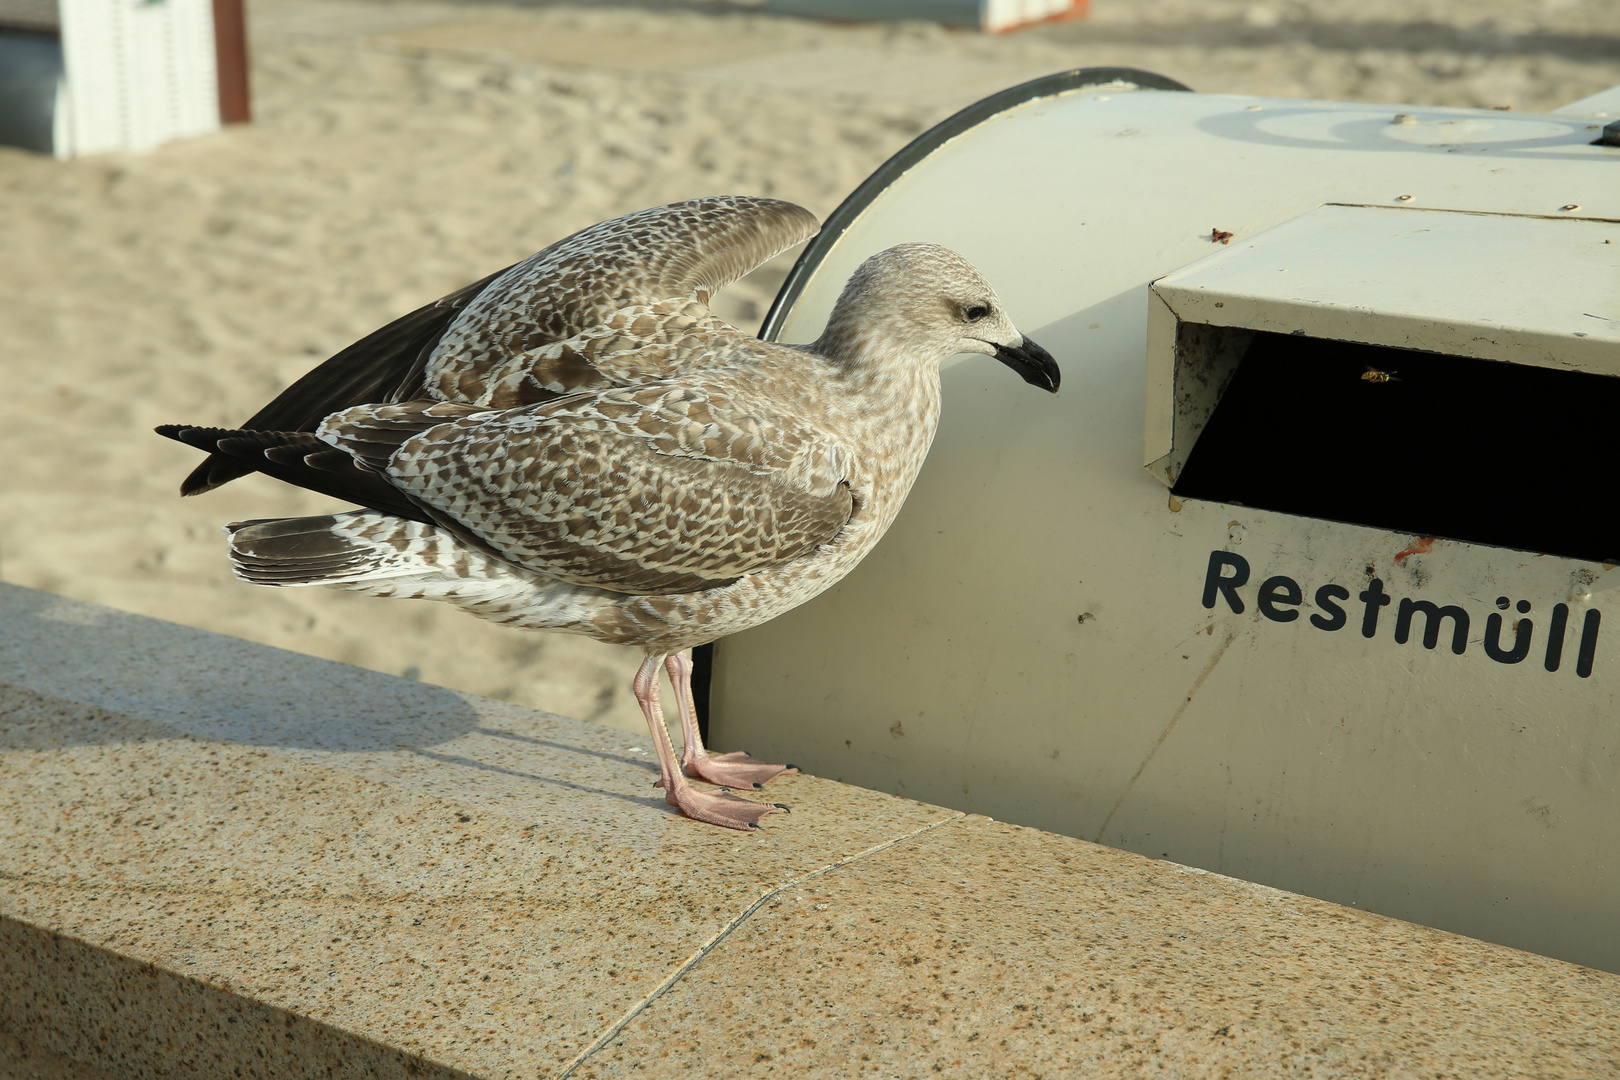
<point>177,680</point>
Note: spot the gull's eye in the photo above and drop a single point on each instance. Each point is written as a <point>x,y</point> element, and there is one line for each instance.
<point>975,313</point>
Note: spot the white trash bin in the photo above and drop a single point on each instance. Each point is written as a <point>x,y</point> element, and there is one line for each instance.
<point>1345,633</point>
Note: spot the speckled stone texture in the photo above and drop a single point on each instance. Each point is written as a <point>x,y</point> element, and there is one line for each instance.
<point>984,949</point>
<point>219,860</point>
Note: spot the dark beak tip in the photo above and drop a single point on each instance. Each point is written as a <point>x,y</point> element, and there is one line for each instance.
<point>1033,364</point>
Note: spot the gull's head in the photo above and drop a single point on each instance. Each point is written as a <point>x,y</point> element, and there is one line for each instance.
<point>920,303</point>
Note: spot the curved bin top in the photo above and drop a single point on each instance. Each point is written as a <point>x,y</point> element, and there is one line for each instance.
<point>1047,86</point>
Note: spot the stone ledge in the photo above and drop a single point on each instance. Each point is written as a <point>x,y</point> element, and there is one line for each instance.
<point>220,859</point>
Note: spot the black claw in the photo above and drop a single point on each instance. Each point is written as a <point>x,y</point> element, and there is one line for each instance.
<point>790,766</point>
<point>753,824</point>
<point>781,806</point>
<point>758,785</point>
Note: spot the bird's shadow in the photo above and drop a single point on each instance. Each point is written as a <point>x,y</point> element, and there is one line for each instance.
<point>73,673</point>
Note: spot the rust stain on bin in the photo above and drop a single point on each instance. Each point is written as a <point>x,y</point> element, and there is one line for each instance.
<point>1420,546</point>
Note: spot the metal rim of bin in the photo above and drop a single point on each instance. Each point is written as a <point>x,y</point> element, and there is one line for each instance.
<point>839,221</point>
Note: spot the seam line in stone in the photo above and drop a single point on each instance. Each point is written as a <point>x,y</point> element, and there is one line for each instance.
<point>725,931</point>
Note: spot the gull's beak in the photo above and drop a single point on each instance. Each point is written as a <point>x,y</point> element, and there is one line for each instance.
<point>1033,364</point>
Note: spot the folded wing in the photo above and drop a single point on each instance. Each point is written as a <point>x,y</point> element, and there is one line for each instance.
<point>638,490</point>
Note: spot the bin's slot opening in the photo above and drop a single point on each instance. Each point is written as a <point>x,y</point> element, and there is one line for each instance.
<point>1475,450</point>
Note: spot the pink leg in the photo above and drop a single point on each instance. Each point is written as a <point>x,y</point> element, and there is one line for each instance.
<point>735,769</point>
<point>715,807</point>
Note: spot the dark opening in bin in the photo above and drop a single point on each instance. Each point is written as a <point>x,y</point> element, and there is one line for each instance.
<point>1432,445</point>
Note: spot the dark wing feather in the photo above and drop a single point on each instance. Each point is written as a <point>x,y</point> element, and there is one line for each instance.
<point>385,365</point>
<point>299,458</point>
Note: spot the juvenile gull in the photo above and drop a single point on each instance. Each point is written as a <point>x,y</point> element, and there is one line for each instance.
<point>578,443</point>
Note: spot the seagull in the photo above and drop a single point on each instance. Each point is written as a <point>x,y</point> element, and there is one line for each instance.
<point>578,443</point>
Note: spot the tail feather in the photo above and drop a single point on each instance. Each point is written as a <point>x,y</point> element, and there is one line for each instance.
<point>382,555</point>
<point>297,551</point>
<point>344,549</point>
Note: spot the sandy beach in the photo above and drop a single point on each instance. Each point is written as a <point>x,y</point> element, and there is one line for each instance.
<point>401,150</point>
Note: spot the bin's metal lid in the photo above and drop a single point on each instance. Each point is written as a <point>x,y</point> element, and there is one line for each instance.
<point>1537,290</point>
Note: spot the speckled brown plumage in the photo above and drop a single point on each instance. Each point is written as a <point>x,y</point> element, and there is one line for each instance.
<point>587,448</point>
<point>641,280</point>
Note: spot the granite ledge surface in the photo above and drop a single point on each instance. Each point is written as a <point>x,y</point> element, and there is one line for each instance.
<point>219,859</point>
